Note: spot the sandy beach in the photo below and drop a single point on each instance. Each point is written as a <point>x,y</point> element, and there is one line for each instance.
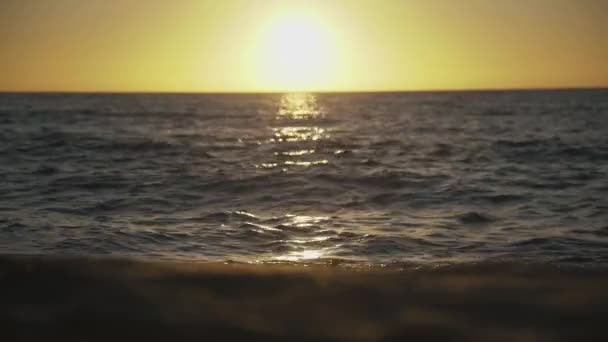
<point>77,299</point>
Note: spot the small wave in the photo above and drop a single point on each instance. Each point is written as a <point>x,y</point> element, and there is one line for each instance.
<point>107,205</point>
<point>46,170</point>
<point>385,198</point>
<point>520,143</point>
<point>560,243</point>
<point>381,178</point>
<point>473,218</point>
<point>260,227</point>
<point>91,182</point>
<point>532,242</point>
<point>500,198</point>
<point>225,216</point>
<point>13,227</point>
<point>601,232</point>
<point>497,112</point>
<point>442,150</point>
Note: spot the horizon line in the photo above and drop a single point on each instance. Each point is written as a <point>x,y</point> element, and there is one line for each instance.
<point>160,92</point>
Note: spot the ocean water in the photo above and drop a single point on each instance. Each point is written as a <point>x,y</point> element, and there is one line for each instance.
<point>359,178</point>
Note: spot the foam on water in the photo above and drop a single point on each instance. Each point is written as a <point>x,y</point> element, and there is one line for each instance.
<point>363,178</point>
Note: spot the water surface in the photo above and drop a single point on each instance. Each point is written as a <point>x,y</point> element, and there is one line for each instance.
<point>360,178</point>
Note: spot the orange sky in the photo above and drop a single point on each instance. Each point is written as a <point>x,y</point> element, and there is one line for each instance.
<point>324,45</point>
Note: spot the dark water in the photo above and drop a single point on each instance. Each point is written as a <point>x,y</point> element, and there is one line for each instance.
<point>372,178</point>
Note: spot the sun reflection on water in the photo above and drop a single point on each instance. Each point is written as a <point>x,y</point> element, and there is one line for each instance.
<point>296,132</point>
<point>301,255</point>
<point>297,138</point>
<point>295,153</point>
<point>306,221</point>
<point>299,106</point>
<point>304,245</point>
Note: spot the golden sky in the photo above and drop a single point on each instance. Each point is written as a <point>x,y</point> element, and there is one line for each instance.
<point>323,45</point>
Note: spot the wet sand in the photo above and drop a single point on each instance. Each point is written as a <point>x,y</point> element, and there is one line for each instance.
<point>80,299</point>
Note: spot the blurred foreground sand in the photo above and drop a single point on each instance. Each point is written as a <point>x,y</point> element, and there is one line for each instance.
<point>81,299</point>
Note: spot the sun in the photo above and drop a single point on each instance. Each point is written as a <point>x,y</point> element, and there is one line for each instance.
<point>296,53</point>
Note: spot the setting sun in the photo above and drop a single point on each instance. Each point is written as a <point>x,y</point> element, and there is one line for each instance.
<point>295,52</point>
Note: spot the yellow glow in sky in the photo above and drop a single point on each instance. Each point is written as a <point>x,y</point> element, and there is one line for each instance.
<point>323,45</point>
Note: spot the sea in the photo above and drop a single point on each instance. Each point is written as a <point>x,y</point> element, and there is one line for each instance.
<point>369,179</point>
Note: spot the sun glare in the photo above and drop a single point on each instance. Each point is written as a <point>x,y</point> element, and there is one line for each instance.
<point>296,53</point>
